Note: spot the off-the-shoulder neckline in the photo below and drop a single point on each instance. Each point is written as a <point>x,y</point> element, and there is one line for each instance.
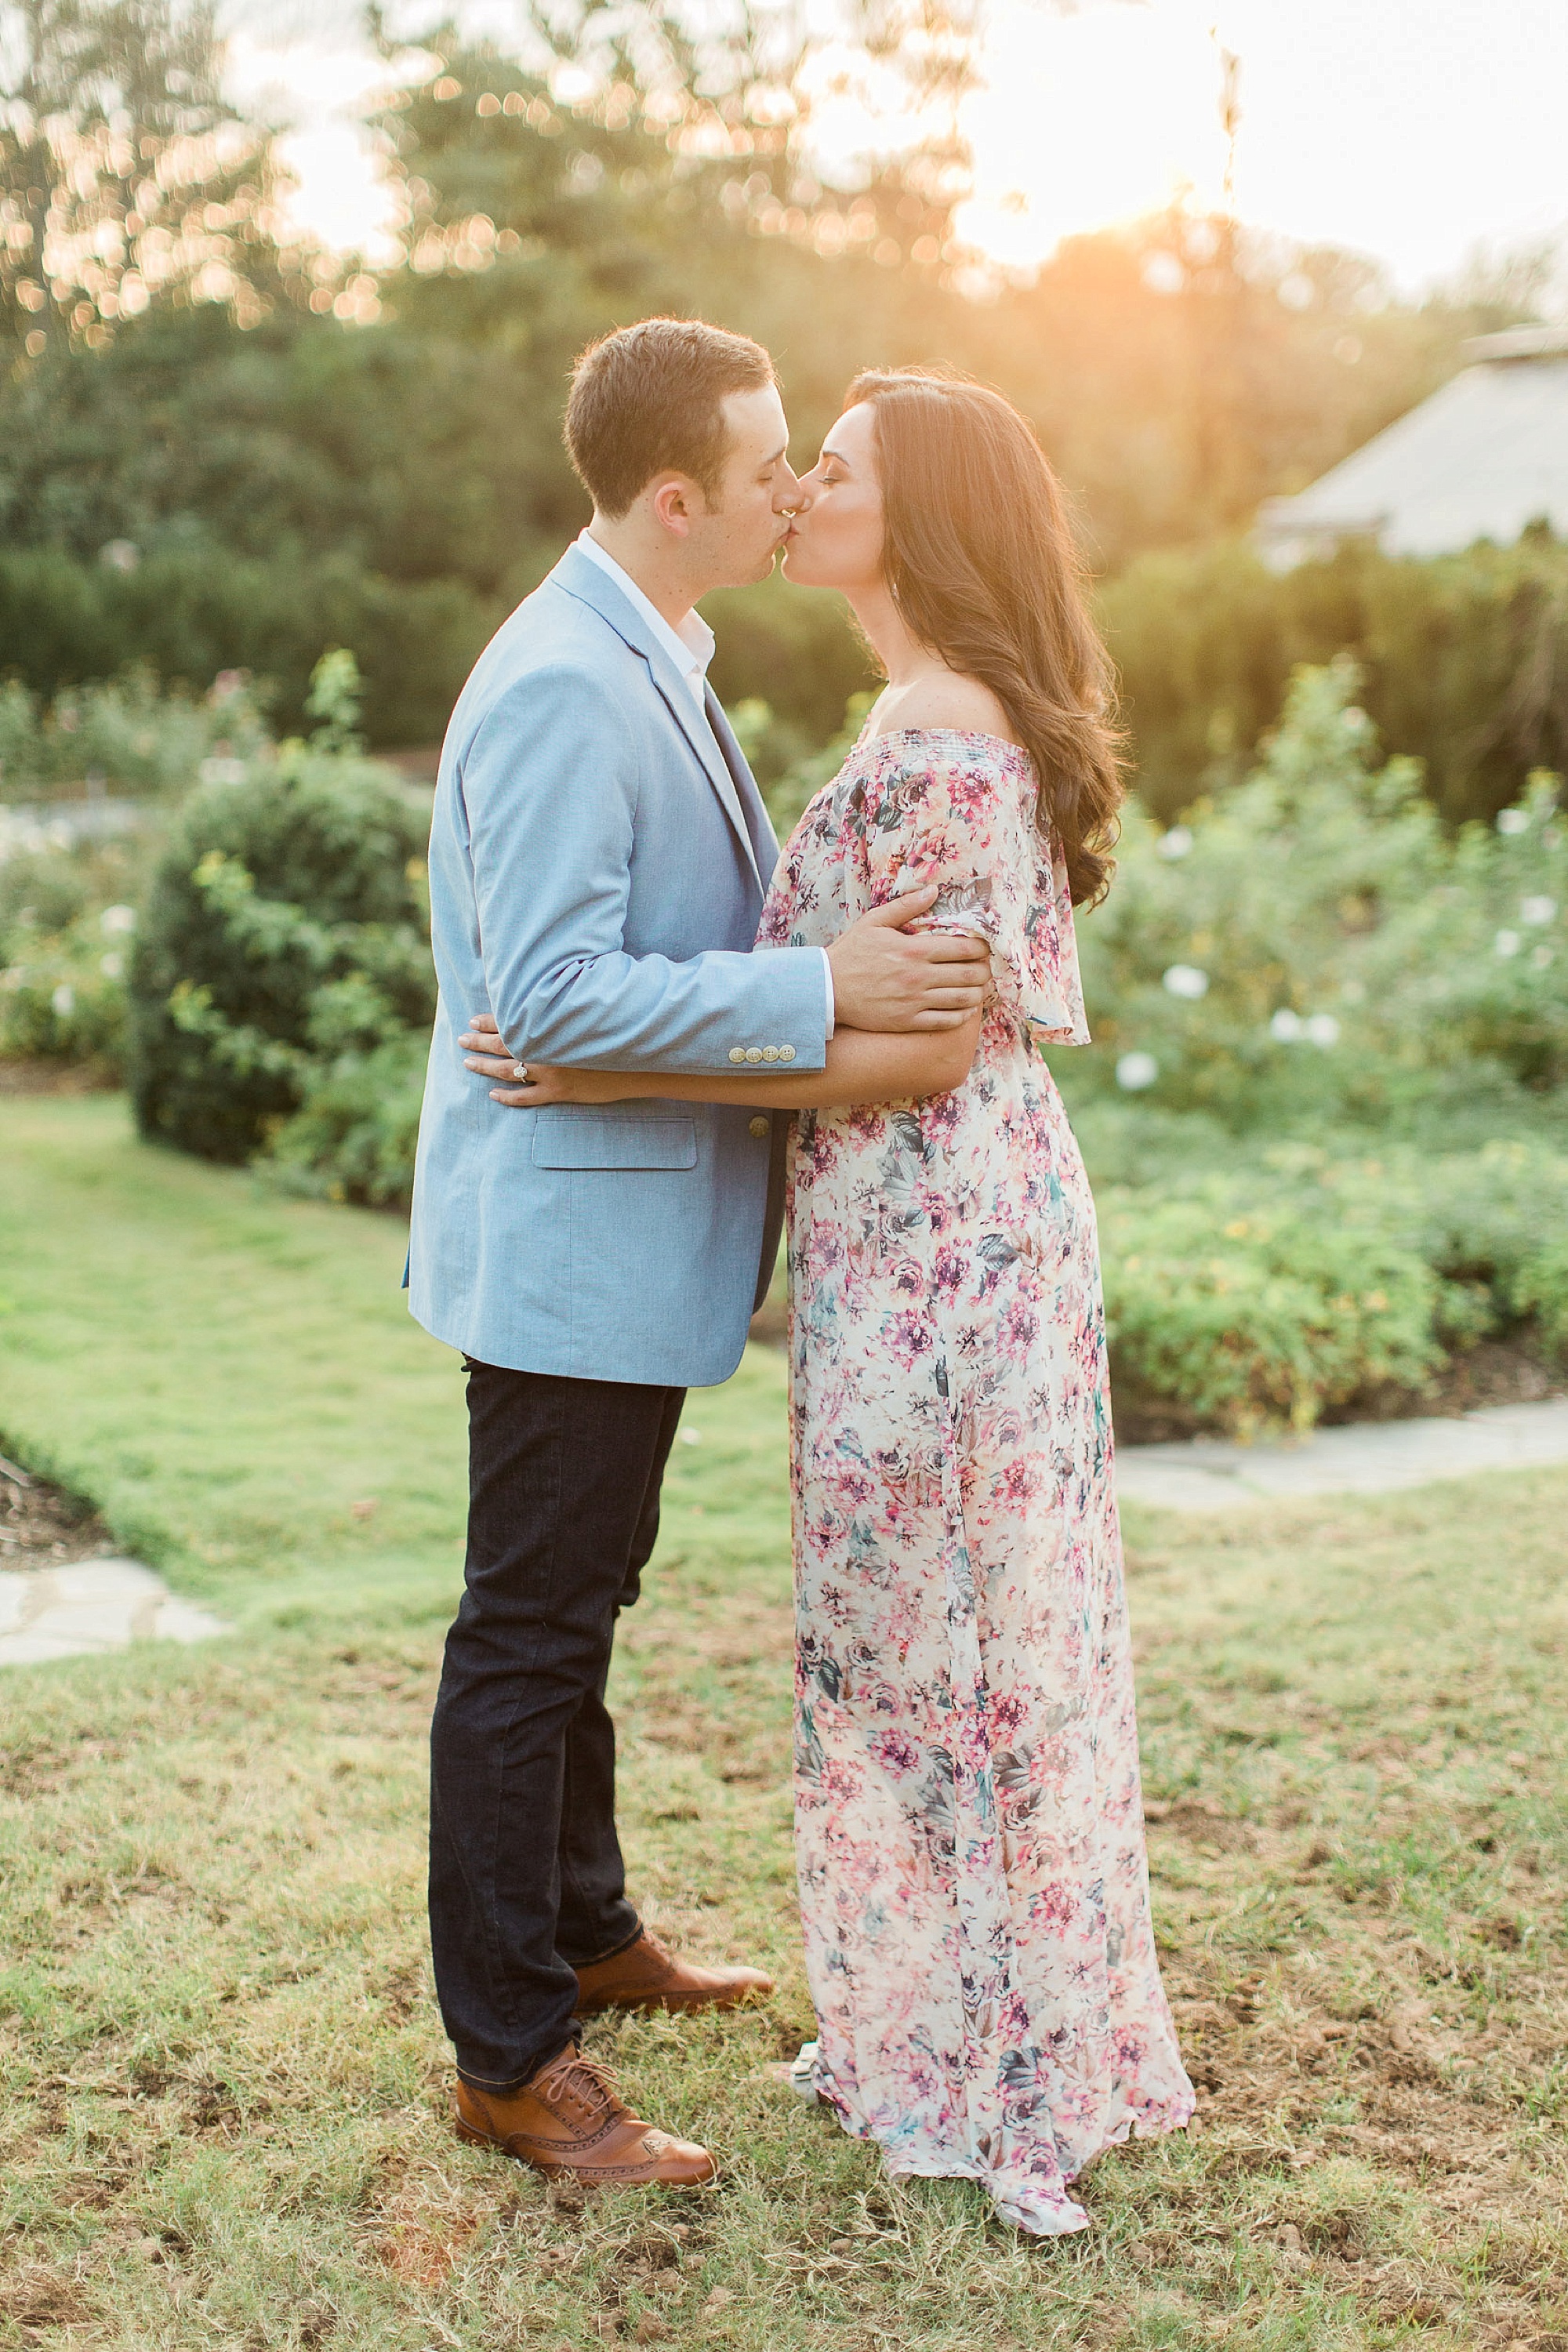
<point>966,734</point>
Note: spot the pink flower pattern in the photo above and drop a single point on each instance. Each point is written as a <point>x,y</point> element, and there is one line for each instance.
<point>968,1819</point>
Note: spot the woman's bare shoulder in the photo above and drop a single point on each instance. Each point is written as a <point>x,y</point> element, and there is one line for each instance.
<point>944,700</point>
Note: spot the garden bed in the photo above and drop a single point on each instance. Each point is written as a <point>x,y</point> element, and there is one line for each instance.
<point>1491,1372</point>
<point>1323,1113</point>
<point>41,1526</point>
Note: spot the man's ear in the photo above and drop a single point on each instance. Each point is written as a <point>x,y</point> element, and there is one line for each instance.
<point>672,503</point>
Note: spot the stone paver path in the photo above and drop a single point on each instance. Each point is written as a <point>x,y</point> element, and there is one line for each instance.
<point>92,1604</point>
<point>1209,1474</point>
<point>103,1604</point>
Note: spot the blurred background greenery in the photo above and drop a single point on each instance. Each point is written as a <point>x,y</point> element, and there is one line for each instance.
<point>261,504</point>
<point>224,448</point>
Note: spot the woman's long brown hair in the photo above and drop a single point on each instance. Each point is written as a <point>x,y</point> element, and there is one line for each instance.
<point>981,562</point>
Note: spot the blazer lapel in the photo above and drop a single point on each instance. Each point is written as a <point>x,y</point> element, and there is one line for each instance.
<point>759,824</point>
<point>582,577</point>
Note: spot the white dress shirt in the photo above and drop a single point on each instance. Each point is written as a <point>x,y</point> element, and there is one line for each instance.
<point>691,648</point>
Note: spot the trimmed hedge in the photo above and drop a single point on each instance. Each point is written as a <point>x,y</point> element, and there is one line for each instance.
<point>189,614</point>
<point>1464,662</point>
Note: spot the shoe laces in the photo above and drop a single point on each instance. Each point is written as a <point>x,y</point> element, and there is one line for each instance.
<point>590,2086</point>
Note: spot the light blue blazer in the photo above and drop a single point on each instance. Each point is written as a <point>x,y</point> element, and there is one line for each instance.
<point>598,858</point>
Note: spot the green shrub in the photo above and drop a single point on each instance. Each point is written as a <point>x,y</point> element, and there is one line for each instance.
<point>1311,948</point>
<point>1280,1291</point>
<point>286,933</point>
<point>62,992</point>
<point>127,734</point>
<point>1248,1304</point>
<point>1298,1215</point>
<point>67,922</point>
<point>353,1135</point>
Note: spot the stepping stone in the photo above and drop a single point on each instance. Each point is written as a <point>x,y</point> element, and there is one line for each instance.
<point>1372,1457</point>
<point>89,1605</point>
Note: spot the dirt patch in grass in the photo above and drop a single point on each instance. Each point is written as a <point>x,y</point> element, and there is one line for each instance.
<point>37,2302</point>
<point>42,1525</point>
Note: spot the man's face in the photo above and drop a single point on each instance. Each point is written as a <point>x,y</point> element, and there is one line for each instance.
<point>733,542</point>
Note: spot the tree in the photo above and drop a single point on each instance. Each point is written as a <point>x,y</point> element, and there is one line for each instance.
<point>126,179</point>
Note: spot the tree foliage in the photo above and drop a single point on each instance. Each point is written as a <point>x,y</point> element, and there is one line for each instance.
<point>326,454</point>
<point>126,178</point>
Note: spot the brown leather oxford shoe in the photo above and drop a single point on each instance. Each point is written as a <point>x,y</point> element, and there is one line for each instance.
<point>570,2119</point>
<point>645,1976</point>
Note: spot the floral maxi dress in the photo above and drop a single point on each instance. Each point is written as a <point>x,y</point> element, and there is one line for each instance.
<point>969,1826</point>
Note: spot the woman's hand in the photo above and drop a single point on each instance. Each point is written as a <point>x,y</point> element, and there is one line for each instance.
<point>483,1055</point>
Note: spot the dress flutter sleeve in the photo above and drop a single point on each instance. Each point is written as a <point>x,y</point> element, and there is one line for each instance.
<point>959,811</point>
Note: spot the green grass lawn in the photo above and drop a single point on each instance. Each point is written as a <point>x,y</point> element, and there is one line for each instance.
<point>224,2122</point>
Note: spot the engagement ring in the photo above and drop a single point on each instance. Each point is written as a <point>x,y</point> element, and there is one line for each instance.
<point>520,1072</point>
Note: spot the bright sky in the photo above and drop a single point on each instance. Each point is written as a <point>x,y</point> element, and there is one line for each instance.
<point>1417,130</point>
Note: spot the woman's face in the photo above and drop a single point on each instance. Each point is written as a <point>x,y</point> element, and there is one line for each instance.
<point>836,537</point>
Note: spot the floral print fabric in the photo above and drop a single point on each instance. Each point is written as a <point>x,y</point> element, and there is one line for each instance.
<point>969,1827</point>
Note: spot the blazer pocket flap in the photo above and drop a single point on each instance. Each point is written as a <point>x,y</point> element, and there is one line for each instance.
<point>578,1141</point>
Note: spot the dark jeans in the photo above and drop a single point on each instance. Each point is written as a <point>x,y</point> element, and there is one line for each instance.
<point>526,1875</point>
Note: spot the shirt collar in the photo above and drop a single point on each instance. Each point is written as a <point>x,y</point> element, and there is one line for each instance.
<point>689,648</point>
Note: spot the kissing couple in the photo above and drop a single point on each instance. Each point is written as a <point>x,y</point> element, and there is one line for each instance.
<point>689,1039</point>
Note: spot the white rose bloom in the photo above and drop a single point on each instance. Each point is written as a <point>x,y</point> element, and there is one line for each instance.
<point>115,922</point>
<point>1176,843</point>
<point>1186,979</point>
<point>1285,1025</point>
<point>63,1000</point>
<point>1507,943</point>
<point>1537,911</point>
<point>1136,1071</point>
<point>1324,1029</point>
<point>1513,821</point>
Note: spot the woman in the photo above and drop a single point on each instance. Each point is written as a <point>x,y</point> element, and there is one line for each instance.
<point>969,1839</point>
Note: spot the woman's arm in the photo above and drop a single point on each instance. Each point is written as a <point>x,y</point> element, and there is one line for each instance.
<point>863,1067</point>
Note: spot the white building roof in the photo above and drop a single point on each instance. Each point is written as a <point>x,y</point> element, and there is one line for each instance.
<point>1480,459</point>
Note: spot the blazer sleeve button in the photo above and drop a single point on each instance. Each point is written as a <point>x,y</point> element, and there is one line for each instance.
<point>737,1052</point>
<point>759,1127</point>
<point>754,1053</point>
<point>786,1052</point>
<point>770,1052</point>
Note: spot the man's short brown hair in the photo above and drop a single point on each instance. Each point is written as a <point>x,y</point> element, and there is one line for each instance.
<point>648,400</point>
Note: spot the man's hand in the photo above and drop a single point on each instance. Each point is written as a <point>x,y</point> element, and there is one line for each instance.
<point>886,978</point>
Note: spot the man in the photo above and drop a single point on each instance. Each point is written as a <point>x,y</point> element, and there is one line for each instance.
<point>598,859</point>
